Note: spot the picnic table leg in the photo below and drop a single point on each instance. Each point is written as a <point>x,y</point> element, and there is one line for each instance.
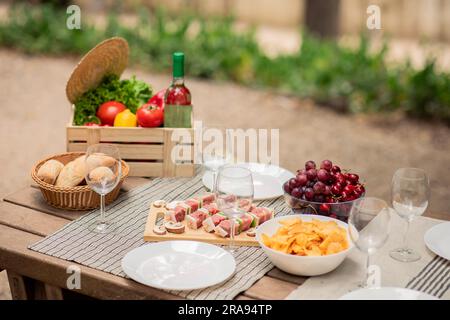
<point>17,285</point>
<point>52,292</point>
<point>23,288</point>
<point>44,291</point>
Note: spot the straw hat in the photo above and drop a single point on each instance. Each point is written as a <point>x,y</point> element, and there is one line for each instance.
<point>107,58</point>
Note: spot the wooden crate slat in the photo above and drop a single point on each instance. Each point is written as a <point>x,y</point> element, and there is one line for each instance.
<point>145,169</point>
<point>112,134</point>
<point>156,145</point>
<point>127,151</point>
<point>169,167</point>
<point>15,256</point>
<point>185,170</point>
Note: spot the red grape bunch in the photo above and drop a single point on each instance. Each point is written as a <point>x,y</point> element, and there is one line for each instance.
<point>326,185</point>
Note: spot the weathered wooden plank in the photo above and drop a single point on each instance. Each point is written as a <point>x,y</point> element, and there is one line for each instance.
<point>133,182</point>
<point>268,288</point>
<point>17,286</point>
<point>438,215</point>
<point>128,184</point>
<point>278,274</point>
<point>37,290</point>
<point>32,198</point>
<point>52,292</point>
<point>15,257</point>
<point>29,220</point>
<point>243,297</point>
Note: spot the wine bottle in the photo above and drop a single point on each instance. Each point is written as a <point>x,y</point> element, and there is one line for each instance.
<point>178,106</point>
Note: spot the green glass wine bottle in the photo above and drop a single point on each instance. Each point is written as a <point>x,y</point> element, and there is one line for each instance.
<point>178,106</point>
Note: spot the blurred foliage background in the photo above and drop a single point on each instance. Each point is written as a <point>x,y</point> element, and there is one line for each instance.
<point>351,79</point>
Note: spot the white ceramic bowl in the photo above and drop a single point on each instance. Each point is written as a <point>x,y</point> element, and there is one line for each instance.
<point>301,265</point>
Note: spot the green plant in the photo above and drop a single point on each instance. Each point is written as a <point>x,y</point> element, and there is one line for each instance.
<point>348,79</point>
<point>131,92</point>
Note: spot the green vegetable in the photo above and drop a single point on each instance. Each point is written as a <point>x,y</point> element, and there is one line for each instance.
<point>353,79</point>
<point>131,92</point>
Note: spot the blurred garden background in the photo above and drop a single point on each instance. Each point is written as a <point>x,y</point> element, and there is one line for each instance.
<point>370,100</point>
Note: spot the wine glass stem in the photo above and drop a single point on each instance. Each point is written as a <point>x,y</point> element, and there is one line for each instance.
<point>102,208</point>
<point>405,237</point>
<point>368,263</point>
<point>232,226</point>
<point>214,182</point>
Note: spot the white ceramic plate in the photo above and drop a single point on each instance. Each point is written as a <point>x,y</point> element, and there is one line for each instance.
<point>179,265</point>
<point>437,239</point>
<point>387,293</point>
<point>268,179</point>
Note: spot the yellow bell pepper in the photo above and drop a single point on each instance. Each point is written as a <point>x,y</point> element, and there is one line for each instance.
<point>125,119</point>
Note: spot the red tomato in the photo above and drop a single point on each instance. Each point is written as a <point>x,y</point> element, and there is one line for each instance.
<point>91,124</point>
<point>158,99</point>
<point>150,115</point>
<point>108,111</point>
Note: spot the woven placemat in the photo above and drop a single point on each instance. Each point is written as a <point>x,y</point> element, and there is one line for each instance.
<point>74,242</point>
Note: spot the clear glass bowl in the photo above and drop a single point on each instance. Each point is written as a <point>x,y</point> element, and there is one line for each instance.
<point>339,210</point>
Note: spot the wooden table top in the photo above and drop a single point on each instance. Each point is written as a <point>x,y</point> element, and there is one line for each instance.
<point>25,218</point>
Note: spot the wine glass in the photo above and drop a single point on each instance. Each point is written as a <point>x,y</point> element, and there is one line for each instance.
<point>234,195</point>
<point>410,193</point>
<point>216,154</point>
<point>103,172</point>
<point>369,227</point>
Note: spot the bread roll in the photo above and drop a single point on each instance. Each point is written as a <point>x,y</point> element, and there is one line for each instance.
<point>72,173</point>
<point>49,171</point>
<point>100,160</point>
<point>101,174</point>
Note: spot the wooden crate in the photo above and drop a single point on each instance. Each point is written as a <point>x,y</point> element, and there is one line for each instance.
<point>146,150</point>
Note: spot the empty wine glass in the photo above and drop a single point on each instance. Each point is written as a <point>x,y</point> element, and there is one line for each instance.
<point>216,154</point>
<point>410,193</point>
<point>103,173</point>
<point>369,227</point>
<point>234,196</point>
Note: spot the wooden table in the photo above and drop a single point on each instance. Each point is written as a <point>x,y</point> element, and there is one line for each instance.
<point>25,219</point>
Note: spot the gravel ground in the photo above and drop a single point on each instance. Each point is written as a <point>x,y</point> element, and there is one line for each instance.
<point>35,112</point>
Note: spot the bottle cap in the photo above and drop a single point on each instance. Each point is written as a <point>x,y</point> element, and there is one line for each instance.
<point>178,64</point>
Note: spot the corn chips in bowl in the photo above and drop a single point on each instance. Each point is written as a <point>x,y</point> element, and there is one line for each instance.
<point>305,245</point>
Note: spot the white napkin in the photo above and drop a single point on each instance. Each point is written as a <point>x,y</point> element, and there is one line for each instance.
<point>352,271</point>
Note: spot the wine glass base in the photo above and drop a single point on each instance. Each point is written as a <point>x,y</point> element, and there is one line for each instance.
<point>404,255</point>
<point>102,227</point>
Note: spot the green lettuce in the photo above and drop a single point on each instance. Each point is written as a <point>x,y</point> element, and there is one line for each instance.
<point>131,92</point>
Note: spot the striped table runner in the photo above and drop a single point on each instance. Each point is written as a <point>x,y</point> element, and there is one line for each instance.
<point>433,279</point>
<point>430,274</point>
<point>74,242</point>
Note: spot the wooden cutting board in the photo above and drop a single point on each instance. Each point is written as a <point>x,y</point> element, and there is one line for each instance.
<point>157,214</point>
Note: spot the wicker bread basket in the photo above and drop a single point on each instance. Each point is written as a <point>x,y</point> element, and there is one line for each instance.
<point>74,198</point>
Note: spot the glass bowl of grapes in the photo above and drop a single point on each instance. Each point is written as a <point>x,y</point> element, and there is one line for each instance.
<point>326,190</point>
